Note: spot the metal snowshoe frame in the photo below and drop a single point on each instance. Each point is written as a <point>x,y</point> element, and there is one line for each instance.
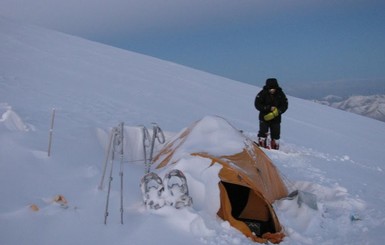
<point>180,176</point>
<point>184,198</point>
<point>152,188</point>
<point>174,185</point>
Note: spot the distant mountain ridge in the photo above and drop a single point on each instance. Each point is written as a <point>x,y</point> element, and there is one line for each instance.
<point>372,106</point>
<point>344,88</point>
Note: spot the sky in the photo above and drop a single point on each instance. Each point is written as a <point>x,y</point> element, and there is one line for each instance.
<point>299,41</point>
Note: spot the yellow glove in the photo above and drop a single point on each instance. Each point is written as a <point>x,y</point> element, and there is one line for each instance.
<point>271,115</point>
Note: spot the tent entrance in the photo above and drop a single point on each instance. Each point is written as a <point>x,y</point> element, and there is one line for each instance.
<point>250,208</point>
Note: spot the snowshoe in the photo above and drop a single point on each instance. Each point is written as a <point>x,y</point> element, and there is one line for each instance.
<point>152,189</point>
<point>176,185</point>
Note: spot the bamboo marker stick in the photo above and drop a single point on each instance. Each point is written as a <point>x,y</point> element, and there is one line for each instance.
<point>51,131</point>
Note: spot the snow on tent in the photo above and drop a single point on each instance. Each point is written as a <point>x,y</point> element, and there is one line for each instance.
<point>248,182</point>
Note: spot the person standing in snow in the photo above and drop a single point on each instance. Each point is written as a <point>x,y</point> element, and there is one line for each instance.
<point>271,102</point>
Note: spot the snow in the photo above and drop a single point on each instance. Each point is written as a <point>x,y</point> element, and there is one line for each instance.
<point>372,106</point>
<point>337,156</point>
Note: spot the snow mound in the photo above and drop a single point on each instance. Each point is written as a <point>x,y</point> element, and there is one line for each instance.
<point>214,135</point>
<point>11,120</point>
<point>211,134</point>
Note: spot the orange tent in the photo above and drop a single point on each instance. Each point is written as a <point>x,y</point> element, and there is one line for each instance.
<point>249,182</point>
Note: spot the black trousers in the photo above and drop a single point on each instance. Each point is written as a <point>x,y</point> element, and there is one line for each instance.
<point>275,129</point>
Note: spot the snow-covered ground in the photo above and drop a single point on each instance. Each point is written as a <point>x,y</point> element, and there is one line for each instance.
<point>334,154</point>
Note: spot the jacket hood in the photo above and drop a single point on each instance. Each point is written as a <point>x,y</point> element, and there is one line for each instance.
<point>271,83</point>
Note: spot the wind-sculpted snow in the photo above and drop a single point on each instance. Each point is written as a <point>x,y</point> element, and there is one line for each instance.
<point>10,120</point>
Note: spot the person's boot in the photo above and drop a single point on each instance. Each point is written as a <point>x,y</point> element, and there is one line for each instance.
<point>262,142</point>
<point>274,144</point>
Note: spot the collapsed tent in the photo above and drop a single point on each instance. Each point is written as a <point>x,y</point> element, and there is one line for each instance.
<point>249,182</point>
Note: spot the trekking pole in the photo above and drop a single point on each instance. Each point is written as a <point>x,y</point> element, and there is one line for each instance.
<point>110,179</point>
<point>51,132</point>
<point>145,140</point>
<point>121,170</point>
<point>106,160</point>
<point>156,131</point>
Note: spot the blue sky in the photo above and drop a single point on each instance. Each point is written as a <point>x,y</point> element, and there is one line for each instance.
<point>297,41</point>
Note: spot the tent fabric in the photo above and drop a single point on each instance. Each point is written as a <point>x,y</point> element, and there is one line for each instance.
<point>249,184</point>
<point>225,212</point>
<point>255,171</point>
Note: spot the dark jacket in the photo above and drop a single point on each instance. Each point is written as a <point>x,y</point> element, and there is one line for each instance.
<point>264,101</point>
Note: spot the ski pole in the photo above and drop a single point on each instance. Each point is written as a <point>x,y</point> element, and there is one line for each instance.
<point>110,180</point>
<point>155,134</point>
<point>106,160</point>
<point>109,189</point>
<point>145,138</point>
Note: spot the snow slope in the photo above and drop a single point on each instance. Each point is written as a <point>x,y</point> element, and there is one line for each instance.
<point>331,153</point>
